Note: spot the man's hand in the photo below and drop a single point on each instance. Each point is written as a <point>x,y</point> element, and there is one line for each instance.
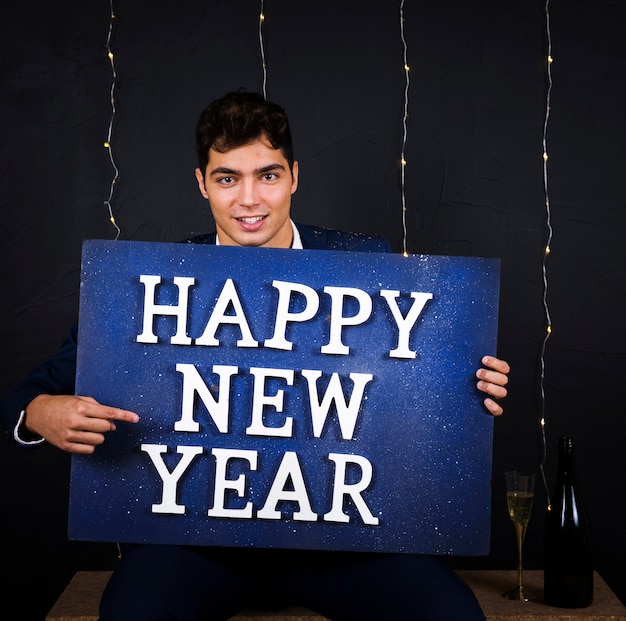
<point>74,424</point>
<point>493,380</point>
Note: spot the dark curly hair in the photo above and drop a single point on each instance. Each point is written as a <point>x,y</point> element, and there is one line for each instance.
<point>239,118</point>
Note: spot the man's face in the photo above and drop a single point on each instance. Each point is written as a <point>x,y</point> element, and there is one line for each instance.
<point>249,189</point>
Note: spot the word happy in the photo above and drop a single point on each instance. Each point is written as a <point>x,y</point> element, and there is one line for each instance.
<point>349,307</point>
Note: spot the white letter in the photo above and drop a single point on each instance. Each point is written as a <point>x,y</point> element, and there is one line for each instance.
<point>222,457</point>
<point>337,320</point>
<point>218,316</point>
<point>150,309</point>
<point>192,384</point>
<point>260,399</point>
<point>289,468</point>
<point>283,316</point>
<point>405,324</point>
<point>170,480</point>
<point>341,489</point>
<point>347,413</point>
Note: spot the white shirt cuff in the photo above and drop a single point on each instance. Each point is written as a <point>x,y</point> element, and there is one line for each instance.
<point>19,427</point>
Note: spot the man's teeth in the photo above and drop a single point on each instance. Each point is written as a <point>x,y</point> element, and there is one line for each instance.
<point>251,220</point>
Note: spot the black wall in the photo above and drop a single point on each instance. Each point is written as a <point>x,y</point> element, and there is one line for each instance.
<point>474,186</point>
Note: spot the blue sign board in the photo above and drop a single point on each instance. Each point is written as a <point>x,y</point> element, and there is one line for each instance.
<point>304,399</point>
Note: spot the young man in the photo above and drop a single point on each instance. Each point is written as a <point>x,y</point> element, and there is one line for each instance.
<point>248,174</point>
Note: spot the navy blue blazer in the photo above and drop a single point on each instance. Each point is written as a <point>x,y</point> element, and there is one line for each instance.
<point>318,238</point>
<point>57,375</point>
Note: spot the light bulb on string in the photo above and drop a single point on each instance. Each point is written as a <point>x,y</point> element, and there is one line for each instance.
<point>405,116</point>
<point>548,332</point>
<point>107,143</point>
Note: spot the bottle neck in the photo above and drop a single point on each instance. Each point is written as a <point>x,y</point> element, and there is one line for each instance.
<point>566,464</point>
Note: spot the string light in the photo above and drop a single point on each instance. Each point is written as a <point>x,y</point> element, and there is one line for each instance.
<point>107,143</point>
<point>262,48</point>
<point>542,421</point>
<point>107,146</point>
<point>404,132</point>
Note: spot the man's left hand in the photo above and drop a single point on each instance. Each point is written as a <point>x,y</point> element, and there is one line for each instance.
<point>492,379</point>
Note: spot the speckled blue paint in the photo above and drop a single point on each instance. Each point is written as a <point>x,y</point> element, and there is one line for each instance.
<point>421,425</point>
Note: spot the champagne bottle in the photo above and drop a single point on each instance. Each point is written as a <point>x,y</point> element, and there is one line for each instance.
<point>568,562</point>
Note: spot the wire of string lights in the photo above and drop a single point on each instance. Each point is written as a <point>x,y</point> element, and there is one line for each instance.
<point>107,143</point>
<point>405,117</point>
<point>262,49</point>
<point>542,420</point>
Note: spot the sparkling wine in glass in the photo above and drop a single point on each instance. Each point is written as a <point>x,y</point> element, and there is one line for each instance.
<point>519,499</point>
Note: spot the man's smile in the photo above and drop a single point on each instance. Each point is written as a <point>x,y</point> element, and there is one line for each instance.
<point>251,219</point>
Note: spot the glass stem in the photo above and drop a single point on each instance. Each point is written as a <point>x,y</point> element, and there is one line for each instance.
<point>520,531</point>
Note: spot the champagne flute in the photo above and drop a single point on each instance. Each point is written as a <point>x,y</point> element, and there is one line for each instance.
<point>519,499</point>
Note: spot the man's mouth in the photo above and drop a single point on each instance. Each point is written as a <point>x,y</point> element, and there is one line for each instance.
<point>251,220</point>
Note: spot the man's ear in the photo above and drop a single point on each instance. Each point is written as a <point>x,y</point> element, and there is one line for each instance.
<point>294,174</point>
<point>201,186</point>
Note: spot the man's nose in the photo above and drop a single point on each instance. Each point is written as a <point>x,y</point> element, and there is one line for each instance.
<point>248,194</point>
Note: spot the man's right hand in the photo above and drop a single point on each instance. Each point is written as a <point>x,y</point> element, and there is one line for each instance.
<point>74,424</point>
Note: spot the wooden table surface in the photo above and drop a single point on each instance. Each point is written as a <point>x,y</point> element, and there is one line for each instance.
<point>79,602</point>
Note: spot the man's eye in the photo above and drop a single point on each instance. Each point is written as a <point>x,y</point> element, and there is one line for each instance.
<point>270,176</point>
<point>226,180</point>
